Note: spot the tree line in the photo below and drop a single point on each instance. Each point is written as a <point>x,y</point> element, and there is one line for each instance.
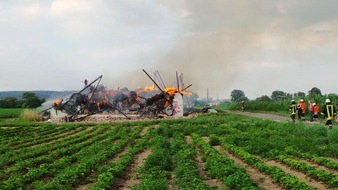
<point>28,100</point>
<point>277,95</point>
<point>279,101</point>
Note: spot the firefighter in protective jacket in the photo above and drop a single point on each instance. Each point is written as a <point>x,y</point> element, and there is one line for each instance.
<point>329,112</point>
<point>303,109</point>
<point>293,110</point>
<point>243,106</point>
<point>315,112</point>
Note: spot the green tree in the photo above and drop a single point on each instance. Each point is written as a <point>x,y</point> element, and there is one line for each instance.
<point>299,95</point>
<point>2,104</point>
<point>238,95</point>
<point>30,100</point>
<point>242,98</point>
<point>315,92</point>
<point>9,102</point>
<point>264,98</point>
<point>278,95</point>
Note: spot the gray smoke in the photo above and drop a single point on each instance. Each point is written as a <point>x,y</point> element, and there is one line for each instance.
<point>205,51</point>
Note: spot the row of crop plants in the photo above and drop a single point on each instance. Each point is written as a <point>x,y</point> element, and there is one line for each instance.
<point>313,158</point>
<point>171,154</point>
<point>278,175</point>
<point>11,156</point>
<point>28,134</point>
<point>15,132</point>
<point>272,143</point>
<point>72,160</point>
<point>12,136</point>
<point>47,161</point>
<point>156,171</point>
<point>283,142</point>
<point>186,171</point>
<point>62,163</point>
<point>52,160</point>
<point>312,139</point>
<point>47,154</point>
<point>88,160</point>
<point>43,138</point>
<point>110,172</point>
<point>221,167</point>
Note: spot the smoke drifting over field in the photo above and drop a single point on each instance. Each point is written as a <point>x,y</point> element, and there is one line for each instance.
<point>204,50</point>
<point>254,46</point>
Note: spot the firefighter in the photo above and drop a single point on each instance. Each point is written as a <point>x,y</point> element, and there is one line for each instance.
<point>293,110</point>
<point>329,112</point>
<point>311,110</point>
<point>315,111</point>
<point>299,109</point>
<point>303,109</point>
<point>243,106</point>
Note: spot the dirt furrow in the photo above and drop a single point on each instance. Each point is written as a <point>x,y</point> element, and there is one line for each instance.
<point>107,162</point>
<point>171,184</point>
<point>131,179</point>
<point>309,181</point>
<point>201,165</point>
<point>319,167</point>
<point>332,159</point>
<point>144,131</point>
<point>263,181</point>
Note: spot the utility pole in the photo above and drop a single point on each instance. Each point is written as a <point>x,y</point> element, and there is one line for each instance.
<point>208,96</point>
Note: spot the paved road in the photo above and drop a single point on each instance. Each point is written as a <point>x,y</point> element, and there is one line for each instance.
<point>268,116</point>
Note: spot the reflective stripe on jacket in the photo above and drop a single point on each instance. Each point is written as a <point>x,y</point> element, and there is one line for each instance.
<point>329,111</point>
<point>293,108</point>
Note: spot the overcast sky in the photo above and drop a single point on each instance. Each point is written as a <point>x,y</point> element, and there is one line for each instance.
<point>257,46</point>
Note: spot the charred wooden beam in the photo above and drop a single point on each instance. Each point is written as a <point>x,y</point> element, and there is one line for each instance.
<point>152,80</point>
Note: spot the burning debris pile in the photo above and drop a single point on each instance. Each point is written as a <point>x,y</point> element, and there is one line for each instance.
<point>95,98</point>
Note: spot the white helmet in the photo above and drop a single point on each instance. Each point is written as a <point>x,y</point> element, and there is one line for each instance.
<point>301,100</point>
<point>327,100</point>
<point>313,104</point>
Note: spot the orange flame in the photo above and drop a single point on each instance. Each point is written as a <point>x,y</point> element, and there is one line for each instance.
<point>189,94</point>
<point>171,91</point>
<point>149,88</point>
<point>146,89</point>
<point>56,103</point>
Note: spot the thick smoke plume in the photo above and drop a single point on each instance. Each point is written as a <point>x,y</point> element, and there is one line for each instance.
<point>205,51</point>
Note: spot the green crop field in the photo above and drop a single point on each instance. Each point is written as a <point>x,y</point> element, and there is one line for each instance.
<point>221,151</point>
<point>10,113</point>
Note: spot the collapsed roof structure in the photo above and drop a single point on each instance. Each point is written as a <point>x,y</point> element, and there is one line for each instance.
<point>147,102</point>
